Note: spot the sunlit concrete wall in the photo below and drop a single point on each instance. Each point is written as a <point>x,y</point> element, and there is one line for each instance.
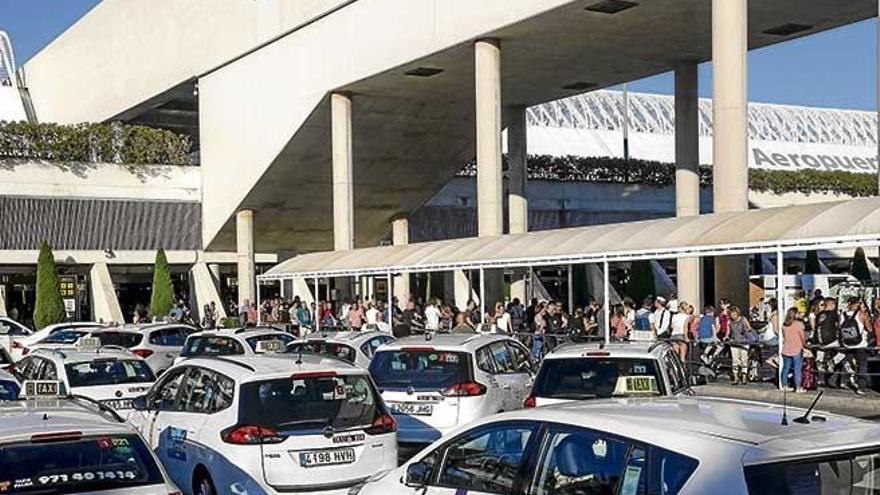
<point>125,52</point>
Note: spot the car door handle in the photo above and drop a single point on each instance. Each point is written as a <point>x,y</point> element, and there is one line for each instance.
<point>170,356</point>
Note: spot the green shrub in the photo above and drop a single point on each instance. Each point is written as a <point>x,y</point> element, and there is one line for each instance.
<point>49,306</point>
<point>94,143</point>
<point>641,281</point>
<point>859,268</point>
<point>811,264</point>
<point>162,296</point>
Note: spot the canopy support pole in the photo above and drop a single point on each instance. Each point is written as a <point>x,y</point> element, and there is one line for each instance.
<point>389,292</point>
<point>482,295</point>
<point>317,323</point>
<point>570,291</point>
<point>259,305</point>
<point>606,309</point>
<point>780,311</point>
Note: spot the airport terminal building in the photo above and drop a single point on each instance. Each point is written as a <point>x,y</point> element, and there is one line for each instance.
<point>316,128</point>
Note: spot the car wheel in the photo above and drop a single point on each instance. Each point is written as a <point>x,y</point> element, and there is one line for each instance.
<point>203,485</point>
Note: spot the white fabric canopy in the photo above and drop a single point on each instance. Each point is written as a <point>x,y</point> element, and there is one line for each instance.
<point>793,228</point>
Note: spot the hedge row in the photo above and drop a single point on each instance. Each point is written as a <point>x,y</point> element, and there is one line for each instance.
<point>659,174</point>
<point>94,143</point>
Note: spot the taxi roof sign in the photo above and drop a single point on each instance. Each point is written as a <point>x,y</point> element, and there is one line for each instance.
<point>636,385</point>
<point>88,343</point>
<point>273,345</point>
<point>41,389</point>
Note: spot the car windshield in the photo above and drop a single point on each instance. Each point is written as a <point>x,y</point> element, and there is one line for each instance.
<point>86,464</point>
<point>588,378</point>
<point>211,345</point>
<point>856,473</point>
<point>122,339</point>
<point>332,349</point>
<point>420,369</point>
<point>64,337</point>
<point>286,338</point>
<point>109,371</point>
<point>309,403</point>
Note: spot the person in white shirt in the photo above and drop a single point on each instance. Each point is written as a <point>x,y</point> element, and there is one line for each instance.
<point>502,319</point>
<point>372,314</point>
<point>432,317</point>
<point>661,319</point>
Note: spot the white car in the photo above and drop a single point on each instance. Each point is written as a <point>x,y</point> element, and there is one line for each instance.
<point>636,446</point>
<point>232,342</point>
<point>111,376</point>
<point>355,348</point>
<point>6,362</point>
<point>597,371</point>
<point>19,345</point>
<point>267,424</point>
<point>67,445</point>
<point>158,343</point>
<point>433,385</point>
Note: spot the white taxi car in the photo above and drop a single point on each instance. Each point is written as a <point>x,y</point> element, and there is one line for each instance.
<point>112,376</point>
<point>355,348</point>
<point>579,371</point>
<point>433,385</point>
<point>641,446</point>
<point>233,342</point>
<point>20,344</point>
<point>267,424</point>
<point>54,445</point>
<point>159,344</point>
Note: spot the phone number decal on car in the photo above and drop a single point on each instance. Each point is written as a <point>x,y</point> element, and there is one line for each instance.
<point>84,476</point>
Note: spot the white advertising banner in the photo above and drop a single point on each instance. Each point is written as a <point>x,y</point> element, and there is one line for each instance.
<point>771,155</point>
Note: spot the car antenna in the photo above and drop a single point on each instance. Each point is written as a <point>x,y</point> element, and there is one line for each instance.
<point>784,406</point>
<point>805,419</point>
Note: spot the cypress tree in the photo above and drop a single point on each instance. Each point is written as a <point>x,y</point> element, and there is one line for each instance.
<point>859,268</point>
<point>641,281</point>
<point>49,306</point>
<point>162,297</point>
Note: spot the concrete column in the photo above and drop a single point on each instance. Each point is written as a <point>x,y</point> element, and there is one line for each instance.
<point>490,204</point>
<point>105,305</point>
<point>343,185</point>
<point>205,289</point>
<point>730,141</point>
<point>687,174</point>
<point>490,216</point>
<point>518,204</point>
<point>400,237</point>
<point>244,243</point>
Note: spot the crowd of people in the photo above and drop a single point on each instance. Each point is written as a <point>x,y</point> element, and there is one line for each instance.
<point>823,345</point>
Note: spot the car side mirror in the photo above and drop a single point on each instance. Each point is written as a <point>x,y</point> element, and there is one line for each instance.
<point>139,403</point>
<point>417,475</point>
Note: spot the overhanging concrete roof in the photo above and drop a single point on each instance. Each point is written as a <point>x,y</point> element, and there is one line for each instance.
<point>794,228</point>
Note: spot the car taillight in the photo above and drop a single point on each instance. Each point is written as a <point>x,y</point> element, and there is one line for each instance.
<point>251,435</point>
<point>383,424</point>
<point>530,402</point>
<point>62,436</point>
<point>142,353</point>
<point>467,389</point>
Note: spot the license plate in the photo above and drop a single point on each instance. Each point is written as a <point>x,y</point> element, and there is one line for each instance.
<point>326,457</point>
<point>117,403</point>
<point>411,408</point>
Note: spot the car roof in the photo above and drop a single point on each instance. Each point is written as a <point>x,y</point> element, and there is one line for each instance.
<point>684,423</point>
<point>73,354</point>
<point>239,332</point>
<point>142,327</point>
<point>613,350</point>
<point>343,337</point>
<point>253,368</point>
<point>446,341</point>
<point>19,419</point>
<point>74,324</point>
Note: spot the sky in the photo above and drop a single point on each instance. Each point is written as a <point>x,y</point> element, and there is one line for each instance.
<point>833,69</point>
